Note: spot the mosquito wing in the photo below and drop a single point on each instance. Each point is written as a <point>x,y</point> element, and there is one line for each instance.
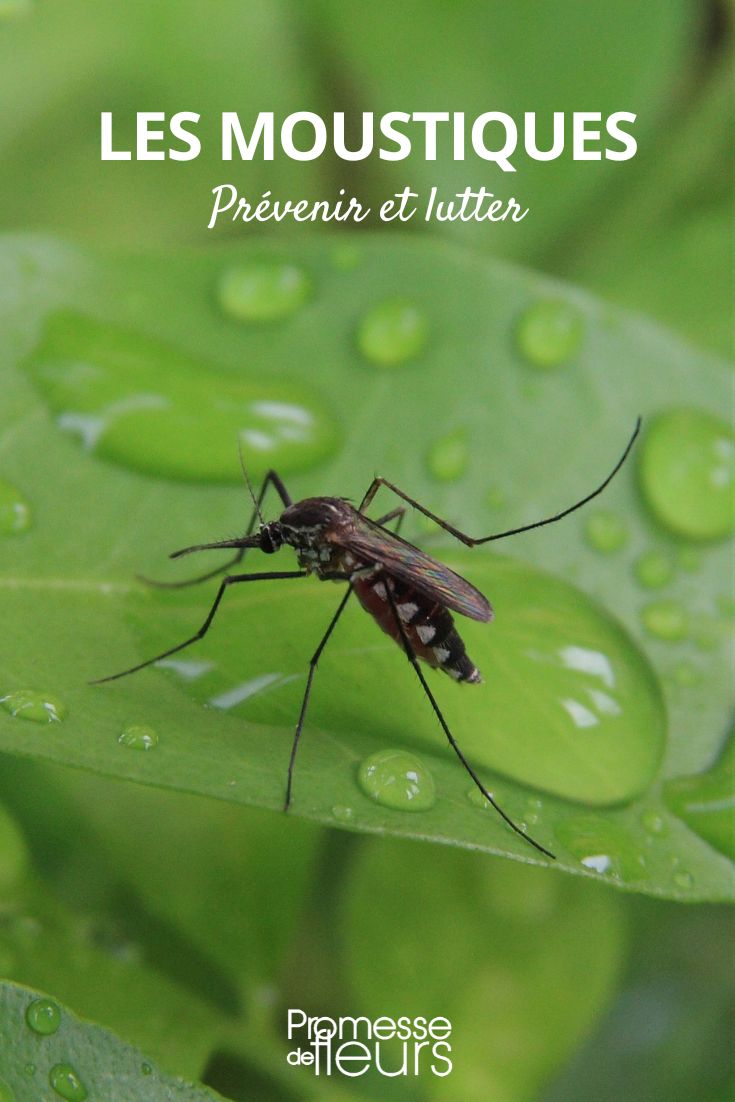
<point>407,563</point>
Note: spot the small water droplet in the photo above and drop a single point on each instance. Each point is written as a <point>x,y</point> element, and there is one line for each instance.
<point>15,512</point>
<point>146,1069</point>
<point>343,813</point>
<point>397,779</point>
<point>683,879</point>
<point>67,1084</point>
<point>601,846</point>
<point>15,9</point>
<point>654,569</point>
<point>496,497</point>
<point>138,736</point>
<point>38,707</point>
<point>30,1070</point>
<point>43,1016</point>
<point>687,469</point>
<point>6,1094</point>
<point>549,333</point>
<point>706,801</point>
<point>666,620</point>
<point>448,456</point>
<point>685,675</point>
<point>156,409</point>
<point>653,822</point>
<point>345,258</point>
<point>392,333</point>
<point>606,532</point>
<point>263,290</point>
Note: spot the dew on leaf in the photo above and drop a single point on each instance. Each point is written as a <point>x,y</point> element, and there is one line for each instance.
<point>392,333</point>
<point>138,736</point>
<point>15,512</point>
<point>37,706</point>
<point>666,620</point>
<point>549,333</point>
<point>43,1016</point>
<point>683,879</point>
<point>448,456</point>
<point>343,813</point>
<point>150,407</point>
<point>65,1080</point>
<point>653,822</point>
<point>687,472</point>
<point>654,569</point>
<point>262,291</point>
<point>706,801</point>
<point>601,846</point>
<point>397,779</point>
<point>606,532</point>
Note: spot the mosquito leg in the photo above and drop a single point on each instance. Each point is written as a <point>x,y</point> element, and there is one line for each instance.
<point>395,514</point>
<point>307,693</point>
<point>411,654</point>
<point>231,579</point>
<point>470,541</point>
<point>272,478</point>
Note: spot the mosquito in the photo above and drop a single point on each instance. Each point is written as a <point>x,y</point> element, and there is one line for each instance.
<point>409,594</point>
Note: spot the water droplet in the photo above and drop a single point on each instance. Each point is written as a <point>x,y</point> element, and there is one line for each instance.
<point>67,1084</point>
<point>30,1070</point>
<point>6,1094</point>
<point>263,290</point>
<point>601,846</point>
<point>43,1016</point>
<point>392,333</point>
<point>138,736</point>
<point>666,620</point>
<point>15,9</point>
<point>687,469</point>
<point>706,801</point>
<point>653,822</point>
<point>345,258</point>
<point>654,569</point>
<point>146,1069</point>
<point>343,813</point>
<point>685,675</point>
<point>150,407</point>
<point>448,456</point>
<point>496,497</point>
<point>15,512</point>
<point>683,879</point>
<point>397,779</point>
<point>606,532</point>
<point>689,559</point>
<point>549,333</point>
<point>38,707</point>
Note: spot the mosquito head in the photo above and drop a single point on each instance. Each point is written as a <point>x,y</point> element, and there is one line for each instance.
<point>270,537</point>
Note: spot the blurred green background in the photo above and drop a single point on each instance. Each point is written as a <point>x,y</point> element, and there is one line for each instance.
<point>184,924</point>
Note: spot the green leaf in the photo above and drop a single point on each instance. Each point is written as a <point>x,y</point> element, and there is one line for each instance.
<point>537,439</point>
<point>496,949</point>
<point>89,1061</point>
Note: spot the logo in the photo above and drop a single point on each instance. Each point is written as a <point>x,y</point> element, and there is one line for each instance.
<point>352,1046</point>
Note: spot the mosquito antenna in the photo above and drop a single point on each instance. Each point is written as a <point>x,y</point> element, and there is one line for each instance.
<point>577,505</point>
<point>248,483</point>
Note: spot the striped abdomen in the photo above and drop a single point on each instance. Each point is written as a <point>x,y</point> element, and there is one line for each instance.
<point>429,627</point>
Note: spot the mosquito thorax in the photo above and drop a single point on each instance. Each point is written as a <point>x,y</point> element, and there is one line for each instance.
<point>305,525</point>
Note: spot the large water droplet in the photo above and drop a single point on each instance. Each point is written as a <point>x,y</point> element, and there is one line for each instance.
<point>138,736</point>
<point>263,290</point>
<point>666,620</point>
<point>36,706</point>
<point>654,569</point>
<point>706,801</point>
<point>15,512</point>
<point>67,1084</point>
<point>43,1016</point>
<point>397,779</point>
<point>601,846</point>
<point>392,333</point>
<point>155,409</point>
<point>448,456</point>
<point>606,531</point>
<point>687,470</point>
<point>549,333</point>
